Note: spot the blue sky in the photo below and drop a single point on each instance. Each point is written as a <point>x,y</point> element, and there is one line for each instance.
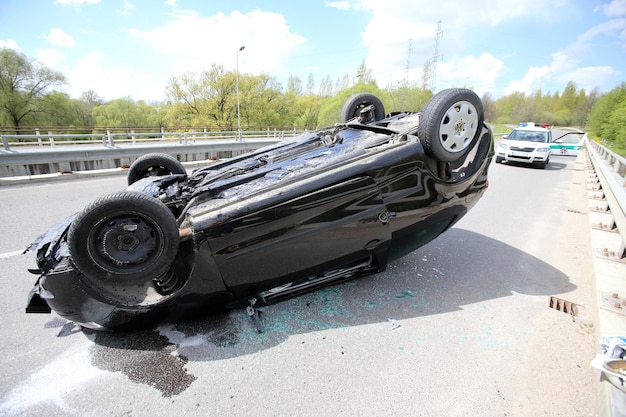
<point>130,48</point>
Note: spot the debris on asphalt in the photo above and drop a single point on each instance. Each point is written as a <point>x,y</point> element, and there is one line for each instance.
<point>394,324</point>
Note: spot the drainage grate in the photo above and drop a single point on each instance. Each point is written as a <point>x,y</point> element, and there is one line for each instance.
<point>563,306</point>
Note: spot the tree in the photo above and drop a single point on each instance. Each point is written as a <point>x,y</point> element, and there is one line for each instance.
<point>607,117</point>
<point>263,103</point>
<point>116,113</point>
<point>127,113</point>
<point>364,74</point>
<point>427,75</point>
<point>402,97</point>
<point>489,107</point>
<point>294,85</point>
<point>326,87</point>
<point>85,105</point>
<point>58,109</point>
<point>23,86</point>
<point>580,114</point>
<point>187,94</point>
<point>310,85</point>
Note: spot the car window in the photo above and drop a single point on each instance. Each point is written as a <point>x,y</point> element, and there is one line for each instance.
<point>529,136</point>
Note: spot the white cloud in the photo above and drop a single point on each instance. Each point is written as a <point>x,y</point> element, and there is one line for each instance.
<point>76,2</point>
<point>532,81</point>
<point>171,3</point>
<point>478,73</point>
<point>614,9</point>
<point>128,6</point>
<point>402,33</point>
<point>340,5</point>
<point>58,37</point>
<point>92,73</point>
<point>10,44</point>
<point>193,42</point>
<point>49,57</point>
<point>562,69</point>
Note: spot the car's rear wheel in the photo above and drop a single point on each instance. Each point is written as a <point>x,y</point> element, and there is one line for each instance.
<point>124,237</point>
<point>451,123</point>
<point>154,164</point>
<point>354,105</point>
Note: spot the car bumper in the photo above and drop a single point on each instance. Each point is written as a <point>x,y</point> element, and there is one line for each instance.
<point>523,157</point>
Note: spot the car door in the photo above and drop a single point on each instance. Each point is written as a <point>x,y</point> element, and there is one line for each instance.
<point>341,221</point>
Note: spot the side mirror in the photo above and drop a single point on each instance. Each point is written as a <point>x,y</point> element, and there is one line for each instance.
<point>505,136</point>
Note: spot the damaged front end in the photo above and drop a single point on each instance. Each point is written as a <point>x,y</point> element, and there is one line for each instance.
<point>57,286</point>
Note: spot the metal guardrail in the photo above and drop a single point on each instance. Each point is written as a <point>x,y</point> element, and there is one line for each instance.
<point>27,155</point>
<point>611,169</point>
<point>110,139</point>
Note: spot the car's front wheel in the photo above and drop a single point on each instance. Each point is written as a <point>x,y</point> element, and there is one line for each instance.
<point>451,123</point>
<point>124,237</point>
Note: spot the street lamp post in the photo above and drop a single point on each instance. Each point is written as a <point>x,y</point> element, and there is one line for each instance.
<point>237,88</point>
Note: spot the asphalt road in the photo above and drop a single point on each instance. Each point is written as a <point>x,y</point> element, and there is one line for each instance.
<point>460,327</point>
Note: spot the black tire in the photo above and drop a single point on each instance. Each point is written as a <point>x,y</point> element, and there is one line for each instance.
<point>353,106</point>
<point>125,237</point>
<point>451,123</point>
<point>154,164</point>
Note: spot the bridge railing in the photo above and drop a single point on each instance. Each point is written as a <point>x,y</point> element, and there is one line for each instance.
<point>111,139</point>
<point>28,155</point>
<point>610,169</point>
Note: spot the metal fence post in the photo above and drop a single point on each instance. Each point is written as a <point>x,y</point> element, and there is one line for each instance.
<point>5,143</point>
<point>110,136</point>
<point>38,137</point>
<point>132,135</point>
<point>51,139</point>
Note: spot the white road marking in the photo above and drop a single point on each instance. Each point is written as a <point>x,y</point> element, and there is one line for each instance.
<point>10,254</point>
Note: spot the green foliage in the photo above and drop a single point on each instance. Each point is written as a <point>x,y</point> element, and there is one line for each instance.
<point>125,112</point>
<point>497,129</point>
<point>570,108</point>
<point>23,87</point>
<point>405,98</point>
<point>608,117</point>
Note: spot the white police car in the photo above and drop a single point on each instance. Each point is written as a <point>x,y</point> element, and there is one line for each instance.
<point>527,144</point>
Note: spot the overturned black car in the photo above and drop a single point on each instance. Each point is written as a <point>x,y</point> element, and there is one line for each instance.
<point>325,207</point>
